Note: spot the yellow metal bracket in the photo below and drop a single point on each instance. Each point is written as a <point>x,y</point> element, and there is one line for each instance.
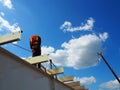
<point>55,71</point>
<point>38,59</point>
<point>7,38</point>
<point>66,79</point>
<point>79,88</point>
<point>73,84</point>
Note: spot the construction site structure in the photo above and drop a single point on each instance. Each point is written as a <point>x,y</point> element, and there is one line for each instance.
<point>21,74</point>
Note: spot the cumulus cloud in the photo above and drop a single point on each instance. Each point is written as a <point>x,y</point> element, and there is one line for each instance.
<point>110,85</point>
<point>78,52</point>
<point>85,80</point>
<point>7,3</point>
<point>47,50</point>
<point>4,24</point>
<point>67,26</point>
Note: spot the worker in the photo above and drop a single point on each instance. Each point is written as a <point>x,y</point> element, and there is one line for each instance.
<point>35,45</point>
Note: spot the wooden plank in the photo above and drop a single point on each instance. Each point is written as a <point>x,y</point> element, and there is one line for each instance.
<point>38,59</point>
<point>55,71</point>
<point>66,79</point>
<point>10,37</point>
<point>73,84</point>
<point>79,88</point>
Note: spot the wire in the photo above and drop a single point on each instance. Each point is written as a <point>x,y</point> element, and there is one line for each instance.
<point>21,47</point>
<point>54,65</point>
<point>29,51</point>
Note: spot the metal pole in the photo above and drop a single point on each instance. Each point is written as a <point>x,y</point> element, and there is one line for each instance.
<point>109,67</point>
<point>50,64</point>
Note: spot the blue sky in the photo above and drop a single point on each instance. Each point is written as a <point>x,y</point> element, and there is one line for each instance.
<point>72,32</point>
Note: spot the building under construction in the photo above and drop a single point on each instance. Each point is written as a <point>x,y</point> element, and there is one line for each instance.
<point>22,74</point>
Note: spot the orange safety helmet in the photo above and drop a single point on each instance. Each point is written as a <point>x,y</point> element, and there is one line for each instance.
<point>35,40</point>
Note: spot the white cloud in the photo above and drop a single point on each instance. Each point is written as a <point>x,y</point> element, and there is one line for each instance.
<point>4,24</point>
<point>78,52</point>
<point>85,80</point>
<point>67,26</point>
<point>47,50</point>
<point>111,85</point>
<point>103,36</point>
<point>2,13</point>
<point>15,42</point>
<point>7,3</point>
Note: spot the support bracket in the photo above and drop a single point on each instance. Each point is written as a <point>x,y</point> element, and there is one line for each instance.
<point>7,38</point>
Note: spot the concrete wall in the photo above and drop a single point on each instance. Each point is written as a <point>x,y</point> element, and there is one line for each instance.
<point>16,74</point>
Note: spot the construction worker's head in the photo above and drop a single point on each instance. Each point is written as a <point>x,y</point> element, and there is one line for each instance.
<point>35,45</point>
<point>35,40</point>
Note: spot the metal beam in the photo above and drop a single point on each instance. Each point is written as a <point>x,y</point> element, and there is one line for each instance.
<point>38,59</point>
<point>79,88</point>
<point>55,71</point>
<point>73,84</point>
<point>115,75</point>
<point>10,37</point>
<point>66,79</point>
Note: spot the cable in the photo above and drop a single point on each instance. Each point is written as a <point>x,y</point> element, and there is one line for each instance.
<point>54,65</point>
<point>21,47</point>
<point>29,51</point>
